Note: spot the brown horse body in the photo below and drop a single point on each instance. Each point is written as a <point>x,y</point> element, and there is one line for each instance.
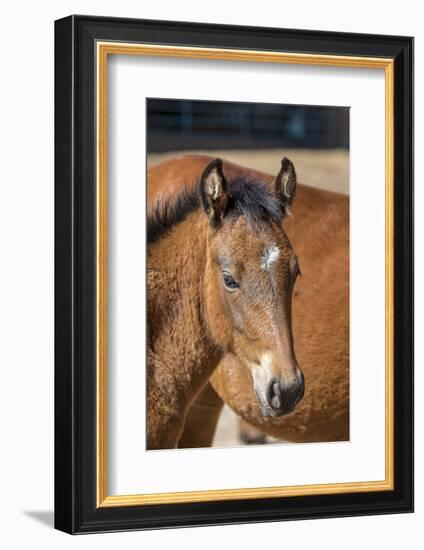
<point>319,232</point>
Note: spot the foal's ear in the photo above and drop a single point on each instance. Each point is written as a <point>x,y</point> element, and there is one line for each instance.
<point>214,192</point>
<point>285,184</point>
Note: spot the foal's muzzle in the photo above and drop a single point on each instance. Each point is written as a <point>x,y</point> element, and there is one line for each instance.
<point>282,397</point>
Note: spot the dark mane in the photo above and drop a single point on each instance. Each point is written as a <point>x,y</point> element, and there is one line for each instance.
<point>249,198</point>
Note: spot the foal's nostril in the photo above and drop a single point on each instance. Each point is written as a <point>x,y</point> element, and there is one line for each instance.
<point>274,394</point>
<point>282,398</point>
<point>276,399</point>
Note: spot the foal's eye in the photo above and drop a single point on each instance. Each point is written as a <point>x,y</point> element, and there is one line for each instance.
<point>229,282</point>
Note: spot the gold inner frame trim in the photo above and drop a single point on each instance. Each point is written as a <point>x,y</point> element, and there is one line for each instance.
<point>103,50</point>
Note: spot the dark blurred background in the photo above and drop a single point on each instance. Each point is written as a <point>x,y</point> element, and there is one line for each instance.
<point>185,124</point>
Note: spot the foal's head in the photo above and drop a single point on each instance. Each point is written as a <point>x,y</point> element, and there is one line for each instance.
<point>250,274</point>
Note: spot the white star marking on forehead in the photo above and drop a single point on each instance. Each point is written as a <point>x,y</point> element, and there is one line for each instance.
<point>269,257</point>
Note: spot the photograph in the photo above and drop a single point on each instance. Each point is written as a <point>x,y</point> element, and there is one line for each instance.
<point>247,273</point>
<point>210,279</point>
<point>233,269</point>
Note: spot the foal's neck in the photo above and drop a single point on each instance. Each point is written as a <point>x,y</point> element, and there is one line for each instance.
<point>182,354</point>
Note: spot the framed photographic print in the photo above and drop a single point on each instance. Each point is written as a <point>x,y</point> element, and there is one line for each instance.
<point>233,266</point>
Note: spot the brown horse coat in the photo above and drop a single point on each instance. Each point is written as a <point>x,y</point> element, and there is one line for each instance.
<point>319,232</point>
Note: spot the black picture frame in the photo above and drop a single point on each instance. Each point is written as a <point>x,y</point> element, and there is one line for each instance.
<point>76,510</point>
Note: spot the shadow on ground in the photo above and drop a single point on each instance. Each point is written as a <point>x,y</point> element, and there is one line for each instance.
<point>46,517</point>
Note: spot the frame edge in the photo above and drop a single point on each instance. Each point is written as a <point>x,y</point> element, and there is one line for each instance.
<point>64,448</point>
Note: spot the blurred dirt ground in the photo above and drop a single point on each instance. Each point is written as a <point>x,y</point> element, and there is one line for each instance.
<point>325,169</point>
